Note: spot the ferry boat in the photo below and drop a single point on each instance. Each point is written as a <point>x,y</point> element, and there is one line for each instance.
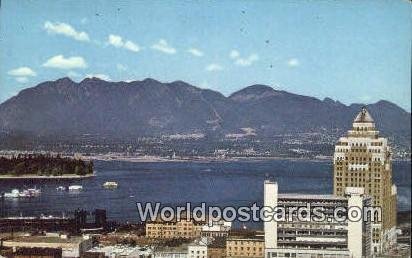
<point>75,188</point>
<point>110,185</point>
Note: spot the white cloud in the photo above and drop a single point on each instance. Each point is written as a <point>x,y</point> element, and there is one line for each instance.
<point>22,79</point>
<point>117,41</point>
<point>214,67</point>
<point>66,30</point>
<point>234,54</point>
<point>243,61</point>
<point>247,61</point>
<point>99,75</point>
<point>131,46</point>
<point>23,71</point>
<point>195,52</point>
<point>61,62</point>
<point>293,62</point>
<point>164,47</point>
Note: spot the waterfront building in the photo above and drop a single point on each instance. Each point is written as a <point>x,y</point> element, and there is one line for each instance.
<point>363,159</point>
<point>328,237</point>
<point>245,244</point>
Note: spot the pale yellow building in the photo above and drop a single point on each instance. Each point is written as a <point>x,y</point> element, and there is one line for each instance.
<point>245,246</point>
<point>176,229</point>
<point>363,159</point>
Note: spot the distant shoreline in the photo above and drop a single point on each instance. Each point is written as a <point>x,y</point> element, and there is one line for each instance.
<point>33,176</point>
<point>154,159</point>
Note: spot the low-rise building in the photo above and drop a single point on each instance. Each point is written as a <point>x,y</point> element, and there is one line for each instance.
<point>119,251</point>
<point>69,246</point>
<point>198,249</point>
<point>35,252</point>
<point>175,229</point>
<point>245,244</point>
<point>171,252</point>
<point>217,249</point>
<point>216,229</point>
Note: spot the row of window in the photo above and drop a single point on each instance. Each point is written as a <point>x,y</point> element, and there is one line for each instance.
<point>338,159</point>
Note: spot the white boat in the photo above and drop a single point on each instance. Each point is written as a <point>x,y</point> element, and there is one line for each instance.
<point>61,188</point>
<point>110,184</point>
<point>75,188</point>
<point>34,191</point>
<point>15,193</point>
<point>26,193</point>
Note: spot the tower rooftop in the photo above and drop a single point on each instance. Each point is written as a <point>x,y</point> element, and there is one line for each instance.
<point>363,117</point>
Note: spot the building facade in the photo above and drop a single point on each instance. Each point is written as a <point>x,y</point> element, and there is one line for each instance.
<point>175,229</point>
<point>299,236</point>
<point>363,159</point>
<point>216,229</point>
<point>245,246</point>
<point>198,249</point>
<point>71,247</point>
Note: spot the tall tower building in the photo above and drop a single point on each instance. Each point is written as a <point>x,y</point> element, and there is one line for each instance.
<point>363,159</point>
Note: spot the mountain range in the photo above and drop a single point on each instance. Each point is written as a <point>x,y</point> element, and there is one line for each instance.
<point>153,108</point>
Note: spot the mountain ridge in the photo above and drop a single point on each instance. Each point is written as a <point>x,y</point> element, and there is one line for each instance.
<point>151,80</point>
<point>151,107</point>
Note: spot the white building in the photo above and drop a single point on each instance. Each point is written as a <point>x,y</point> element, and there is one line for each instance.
<point>198,249</point>
<point>169,252</point>
<point>302,236</point>
<point>122,251</point>
<point>216,229</point>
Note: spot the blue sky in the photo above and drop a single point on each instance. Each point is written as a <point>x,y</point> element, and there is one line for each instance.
<point>351,51</point>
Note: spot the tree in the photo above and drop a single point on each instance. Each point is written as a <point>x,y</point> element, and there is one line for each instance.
<point>79,170</point>
<point>19,169</point>
<point>55,172</point>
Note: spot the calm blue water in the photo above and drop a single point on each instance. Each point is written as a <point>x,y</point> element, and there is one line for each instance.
<point>175,183</point>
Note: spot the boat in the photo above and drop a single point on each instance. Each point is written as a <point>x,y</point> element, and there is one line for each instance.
<point>75,188</point>
<point>26,193</point>
<point>61,188</point>
<point>110,184</point>
<point>34,191</point>
<point>15,193</point>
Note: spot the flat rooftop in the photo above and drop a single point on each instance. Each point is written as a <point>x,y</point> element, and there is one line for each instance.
<point>46,239</point>
<point>328,197</point>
